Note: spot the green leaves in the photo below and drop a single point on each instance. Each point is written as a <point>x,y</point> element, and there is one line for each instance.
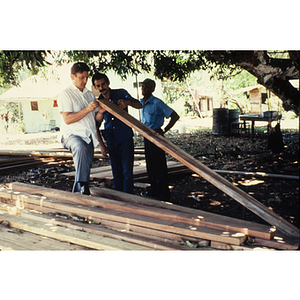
<point>11,62</point>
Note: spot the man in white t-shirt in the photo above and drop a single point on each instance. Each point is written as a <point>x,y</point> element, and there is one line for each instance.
<point>79,110</point>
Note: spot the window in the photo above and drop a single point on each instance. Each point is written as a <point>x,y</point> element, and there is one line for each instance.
<point>263,98</point>
<point>34,106</point>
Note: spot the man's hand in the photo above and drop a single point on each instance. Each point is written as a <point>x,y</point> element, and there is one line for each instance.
<point>92,105</point>
<point>123,103</point>
<point>159,131</point>
<point>104,150</point>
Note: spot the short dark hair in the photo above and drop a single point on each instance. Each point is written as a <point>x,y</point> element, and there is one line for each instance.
<point>79,67</point>
<point>98,76</point>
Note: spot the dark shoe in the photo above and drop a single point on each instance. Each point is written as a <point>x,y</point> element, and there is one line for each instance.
<point>82,188</point>
<point>144,194</point>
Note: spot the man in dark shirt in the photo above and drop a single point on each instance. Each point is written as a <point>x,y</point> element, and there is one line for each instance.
<point>118,136</point>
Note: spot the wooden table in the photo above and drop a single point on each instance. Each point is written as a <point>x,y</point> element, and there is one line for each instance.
<point>259,118</point>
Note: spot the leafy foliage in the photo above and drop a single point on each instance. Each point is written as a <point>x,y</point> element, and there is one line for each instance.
<point>273,69</point>
<point>12,62</point>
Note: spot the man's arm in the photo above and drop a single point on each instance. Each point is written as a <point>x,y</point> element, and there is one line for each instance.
<point>73,117</point>
<point>174,118</point>
<point>103,148</point>
<point>124,103</point>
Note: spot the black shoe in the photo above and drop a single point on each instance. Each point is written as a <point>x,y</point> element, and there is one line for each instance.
<point>82,188</point>
<point>144,194</point>
<point>147,195</point>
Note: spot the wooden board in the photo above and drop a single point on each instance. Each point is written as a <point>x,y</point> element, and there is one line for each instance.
<point>199,168</point>
<point>95,213</point>
<point>86,239</point>
<point>193,217</point>
<point>13,239</point>
<point>131,237</point>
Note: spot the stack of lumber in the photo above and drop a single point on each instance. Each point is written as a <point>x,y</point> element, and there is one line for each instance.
<point>10,164</point>
<point>174,168</point>
<point>139,171</point>
<point>199,168</point>
<point>58,152</point>
<point>112,220</point>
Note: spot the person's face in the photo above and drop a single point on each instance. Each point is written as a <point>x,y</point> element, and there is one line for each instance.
<point>80,79</point>
<point>146,91</point>
<point>102,86</point>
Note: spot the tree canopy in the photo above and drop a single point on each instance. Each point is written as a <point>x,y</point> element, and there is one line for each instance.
<point>273,69</point>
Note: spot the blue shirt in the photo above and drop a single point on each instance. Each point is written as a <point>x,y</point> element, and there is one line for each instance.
<point>154,111</point>
<point>113,127</point>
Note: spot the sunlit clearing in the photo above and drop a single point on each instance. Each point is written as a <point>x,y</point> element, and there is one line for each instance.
<point>249,182</point>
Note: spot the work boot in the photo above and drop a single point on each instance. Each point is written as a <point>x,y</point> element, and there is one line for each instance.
<point>82,188</point>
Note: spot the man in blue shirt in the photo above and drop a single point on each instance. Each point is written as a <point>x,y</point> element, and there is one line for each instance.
<point>118,135</point>
<point>154,112</point>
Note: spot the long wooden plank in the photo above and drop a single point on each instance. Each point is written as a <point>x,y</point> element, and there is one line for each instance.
<point>151,242</point>
<point>125,227</point>
<point>199,168</point>
<point>192,217</point>
<point>10,239</point>
<point>149,222</point>
<point>85,239</point>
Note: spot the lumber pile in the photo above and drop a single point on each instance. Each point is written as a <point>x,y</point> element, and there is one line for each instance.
<point>196,166</point>
<point>139,171</point>
<point>112,220</point>
<point>58,152</point>
<point>174,169</point>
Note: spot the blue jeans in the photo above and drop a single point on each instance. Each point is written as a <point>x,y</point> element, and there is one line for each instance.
<point>83,155</point>
<point>121,159</point>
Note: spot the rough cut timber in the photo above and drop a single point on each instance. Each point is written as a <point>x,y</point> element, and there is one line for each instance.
<point>167,212</point>
<point>199,168</point>
<point>97,214</point>
<point>145,223</point>
<point>15,239</point>
<point>86,239</point>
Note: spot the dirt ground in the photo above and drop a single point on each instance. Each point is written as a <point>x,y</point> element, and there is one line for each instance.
<point>232,153</point>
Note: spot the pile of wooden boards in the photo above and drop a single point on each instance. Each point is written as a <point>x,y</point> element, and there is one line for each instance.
<point>112,220</point>
<point>140,176</point>
<point>174,169</point>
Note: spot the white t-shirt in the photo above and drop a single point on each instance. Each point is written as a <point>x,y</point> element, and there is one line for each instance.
<point>73,100</point>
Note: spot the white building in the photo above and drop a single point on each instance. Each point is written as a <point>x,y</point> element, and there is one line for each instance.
<point>38,96</point>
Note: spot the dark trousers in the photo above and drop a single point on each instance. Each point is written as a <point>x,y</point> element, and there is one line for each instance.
<point>157,171</point>
<point>121,159</point>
